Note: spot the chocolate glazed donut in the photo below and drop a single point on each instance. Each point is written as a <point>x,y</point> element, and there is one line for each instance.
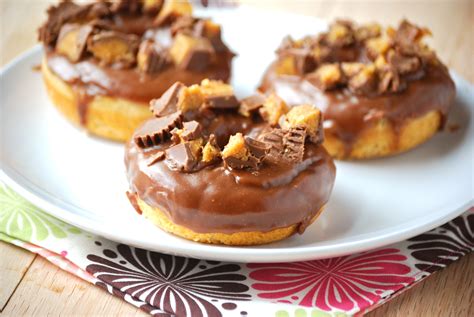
<point>212,169</point>
<point>105,61</point>
<point>381,93</point>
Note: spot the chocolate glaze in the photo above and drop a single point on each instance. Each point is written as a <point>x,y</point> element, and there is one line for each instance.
<point>347,115</point>
<point>218,199</point>
<point>89,78</point>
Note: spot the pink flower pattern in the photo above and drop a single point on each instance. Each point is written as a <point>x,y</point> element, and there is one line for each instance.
<point>339,283</point>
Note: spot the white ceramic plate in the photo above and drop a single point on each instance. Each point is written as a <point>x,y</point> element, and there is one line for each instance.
<point>374,203</point>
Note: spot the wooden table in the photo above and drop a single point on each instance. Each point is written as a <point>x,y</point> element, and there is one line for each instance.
<point>29,285</point>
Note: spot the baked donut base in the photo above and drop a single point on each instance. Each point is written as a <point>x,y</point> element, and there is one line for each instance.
<point>108,117</point>
<point>159,218</point>
<point>382,139</point>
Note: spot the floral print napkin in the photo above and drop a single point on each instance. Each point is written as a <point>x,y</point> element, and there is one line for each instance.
<point>165,285</point>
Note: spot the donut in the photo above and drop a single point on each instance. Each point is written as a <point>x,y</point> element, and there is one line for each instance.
<point>214,169</point>
<point>382,91</point>
<point>104,61</point>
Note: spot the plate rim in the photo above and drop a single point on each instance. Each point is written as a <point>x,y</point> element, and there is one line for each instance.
<point>377,239</point>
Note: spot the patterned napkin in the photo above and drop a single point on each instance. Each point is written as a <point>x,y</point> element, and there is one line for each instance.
<point>166,285</point>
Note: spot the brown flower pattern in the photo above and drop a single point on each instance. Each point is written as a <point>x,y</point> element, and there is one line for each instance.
<point>443,245</point>
<point>176,285</point>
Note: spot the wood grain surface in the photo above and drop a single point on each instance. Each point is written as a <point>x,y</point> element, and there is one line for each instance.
<point>29,285</point>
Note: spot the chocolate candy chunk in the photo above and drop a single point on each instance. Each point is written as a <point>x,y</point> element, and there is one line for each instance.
<point>211,31</point>
<point>198,58</point>
<point>114,47</point>
<point>237,155</point>
<point>158,156</point>
<point>256,148</point>
<point>251,104</point>
<point>303,60</point>
<point>365,82</point>
<point>57,16</point>
<point>167,103</point>
<point>191,130</point>
<point>274,139</point>
<point>341,33</point>
<point>390,81</point>
<point>273,108</point>
<point>294,144</point>
<point>305,116</point>
<point>221,102</point>
<point>367,31</point>
<point>286,145</point>
<point>408,33</point>
<point>404,64</point>
<point>156,131</point>
<point>211,151</point>
<point>152,57</point>
<point>171,10</point>
<point>180,157</point>
<point>72,40</point>
<point>183,24</point>
<point>377,46</point>
<point>191,53</point>
<point>218,95</point>
<point>244,153</point>
<point>327,76</point>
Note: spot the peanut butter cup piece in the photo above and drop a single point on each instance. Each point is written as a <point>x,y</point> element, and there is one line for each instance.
<point>183,24</point>
<point>167,103</point>
<point>152,57</point>
<point>218,95</point>
<point>377,46</point>
<point>273,108</point>
<point>72,40</point>
<point>237,153</point>
<point>286,145</point>
<point>351,69</point>
<point>307,117</point>
<point>190,98</point>
<point>58,15</point>
<point>365,82</point>
<point>390,81</point>
<point>367,31</point>
<point>340,34</point>
<point>114,47</point>
<point>211,151</point>
<point>256,148</point>
<point>403,64</point>
<point>294,144</point>
<point>191,130</point>
<point>171,10</point>
<point>326,77</point>
<point>408,35</point>
<point>191,53</point>
<point>251,104</point>
<point>212,31</point>
<point>157,130</point>
<point>181,157</point>
<point>302,58</point>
